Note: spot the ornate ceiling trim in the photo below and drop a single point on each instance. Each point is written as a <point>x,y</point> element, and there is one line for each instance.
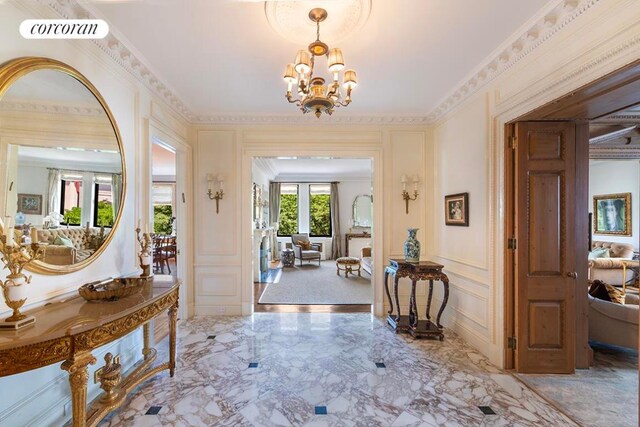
<point>51,108</point>
<point>290,19</point>
<point>513,51</point>
<point>627,152</point>
<point>116,48</point>
<point>309,119</point>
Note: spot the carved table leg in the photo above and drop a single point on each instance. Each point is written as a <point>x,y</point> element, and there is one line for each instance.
<point>78,377</point>
<point>146,347</point>
<point>173,319</point>
<point>429,299</point>
<point>395,291</point>
<point>413,308</point>
<point>386,288</point>
<point>445,283</point>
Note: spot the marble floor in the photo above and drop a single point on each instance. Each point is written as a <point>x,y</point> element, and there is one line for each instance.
<point>328,369</point>
<point>606,395</point>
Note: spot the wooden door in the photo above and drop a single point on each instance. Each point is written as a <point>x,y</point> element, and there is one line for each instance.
<point>545,263</point>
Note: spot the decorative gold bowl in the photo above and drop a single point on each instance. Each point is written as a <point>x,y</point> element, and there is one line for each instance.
<point>112,289</point>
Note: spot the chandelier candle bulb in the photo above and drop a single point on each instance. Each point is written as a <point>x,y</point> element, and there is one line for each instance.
<point>303,62</point>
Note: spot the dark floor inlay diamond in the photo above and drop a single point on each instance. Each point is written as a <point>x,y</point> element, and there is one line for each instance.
<point>380,365</point>
<point>153,410</point>
<point>321,410</point>
<point>211,337</point>
<point>253,364</point>
<point>487,410</point>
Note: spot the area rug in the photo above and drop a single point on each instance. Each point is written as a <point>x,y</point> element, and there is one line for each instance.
<point>311,284</point>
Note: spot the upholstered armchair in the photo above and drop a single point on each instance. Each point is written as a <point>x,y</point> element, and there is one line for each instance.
<point>303,249</point>
<point>609,270</point>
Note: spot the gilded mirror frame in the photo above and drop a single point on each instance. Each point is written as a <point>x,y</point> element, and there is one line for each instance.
<point>354,206</point>
<point>10,72</point>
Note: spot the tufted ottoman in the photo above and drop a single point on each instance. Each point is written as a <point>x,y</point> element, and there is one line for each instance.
<point>348,265</point>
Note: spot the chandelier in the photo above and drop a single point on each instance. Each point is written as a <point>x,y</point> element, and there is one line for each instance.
<point>313,96</point>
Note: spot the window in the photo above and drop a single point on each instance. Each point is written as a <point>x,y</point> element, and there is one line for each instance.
<point>288,224</point>
<point>102,205</point>
<point>71,201</point>
<point>163,202</point>
<point>320,210</point>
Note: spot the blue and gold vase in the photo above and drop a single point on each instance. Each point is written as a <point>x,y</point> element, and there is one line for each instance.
<point>412,246</point>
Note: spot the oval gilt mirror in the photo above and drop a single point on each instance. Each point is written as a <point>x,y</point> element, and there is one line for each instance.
<point>363,211</point>
<point>63,179</point>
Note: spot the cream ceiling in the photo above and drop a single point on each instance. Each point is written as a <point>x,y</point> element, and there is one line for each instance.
<point>224,58</point>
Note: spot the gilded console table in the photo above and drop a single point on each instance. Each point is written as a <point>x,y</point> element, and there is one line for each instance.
<point>424,270</point>
<point>68,331</point>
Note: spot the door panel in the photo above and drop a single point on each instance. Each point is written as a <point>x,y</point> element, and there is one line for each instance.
<point>545,261</point>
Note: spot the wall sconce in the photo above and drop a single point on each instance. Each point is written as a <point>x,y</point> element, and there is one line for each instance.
<point>217,196</point>
<point>405,194</point>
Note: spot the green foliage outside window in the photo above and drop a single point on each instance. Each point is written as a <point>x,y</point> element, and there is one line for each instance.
<point>73,216</point>
<point>105,214</point>
<point>288,224</point>
<point>162,215</point>
<point>320,215</point>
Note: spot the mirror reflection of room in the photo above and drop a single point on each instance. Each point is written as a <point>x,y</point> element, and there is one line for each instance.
<point>64,175</point>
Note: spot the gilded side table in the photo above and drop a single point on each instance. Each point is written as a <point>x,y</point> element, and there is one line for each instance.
<point>423,270</point>
<point>70,330</point>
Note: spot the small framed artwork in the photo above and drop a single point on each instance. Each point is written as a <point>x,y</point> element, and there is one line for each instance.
<point>456,209</point>
<point>30,204</point>
<point>612,214</point>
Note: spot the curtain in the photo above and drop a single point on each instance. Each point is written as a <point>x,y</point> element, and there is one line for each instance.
<point>53,203</point>
<point>116,193</point>
<point>274,217</point>
<point>336,247</point>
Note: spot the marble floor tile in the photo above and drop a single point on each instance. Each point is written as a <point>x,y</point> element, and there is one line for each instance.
<point>602,396</point>
<point>306,360</point>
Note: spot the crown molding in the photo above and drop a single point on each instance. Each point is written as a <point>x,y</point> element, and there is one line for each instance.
<point>542,27</point>
<point>307,119</point>
<point>51,108</point>
<point>266,166</point>
<point>119,50</point>
<point>615,153</point>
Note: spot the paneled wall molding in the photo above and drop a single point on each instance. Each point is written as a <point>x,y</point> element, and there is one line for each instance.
<point>479,266</point>
<point>482,281</point>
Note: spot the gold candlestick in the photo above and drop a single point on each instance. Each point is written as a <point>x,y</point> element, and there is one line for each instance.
<point>15,258</point>
<point>146,252</point>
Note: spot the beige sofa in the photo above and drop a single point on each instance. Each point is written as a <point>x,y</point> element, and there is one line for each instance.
<point>609,270</point>
<point>615,324</point>
<point>64,255</point>
<point>366,260</point>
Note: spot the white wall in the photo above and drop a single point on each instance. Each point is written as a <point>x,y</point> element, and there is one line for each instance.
<point>42,397</point>
<point>469,146</point>
<point>34,180</point>
<point>348,191</point>
<point>617,176</point>
<point>223,262</point>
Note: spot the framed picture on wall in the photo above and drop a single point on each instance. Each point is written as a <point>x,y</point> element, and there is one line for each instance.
<point>30,204</point>
<point>612,214</point>
<point>456,209</point>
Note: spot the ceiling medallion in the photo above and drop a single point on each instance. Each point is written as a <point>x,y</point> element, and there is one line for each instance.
<point>313,95</point>
<point>289,19</point>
